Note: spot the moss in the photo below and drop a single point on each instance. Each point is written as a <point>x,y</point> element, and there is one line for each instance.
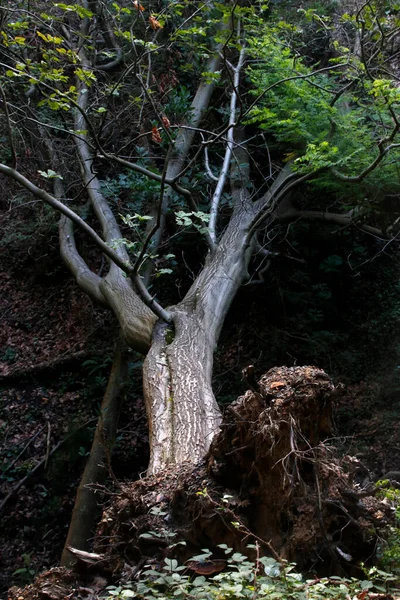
<point>169,336</point>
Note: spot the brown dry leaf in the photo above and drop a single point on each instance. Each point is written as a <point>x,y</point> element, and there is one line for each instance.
<point>207,567</point>
<point>155,135</point>
<point>138,6</point>
<point>154,24</point>
<point>277,384</point>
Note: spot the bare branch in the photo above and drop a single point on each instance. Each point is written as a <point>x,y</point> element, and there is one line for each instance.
<point>100,206</point>
<point>228,152</point>
<point>88,281</point>
<point>9,127</point>
<point>155,227</point>
<point>184,141</point>
<point>126,267</point>
<point>383,151</point>
<point>207,165</point>
<point>239,174</point>
<point>110,38</point>
<point>269,203</point>
<point>344,220</point>
<point>63,209</point>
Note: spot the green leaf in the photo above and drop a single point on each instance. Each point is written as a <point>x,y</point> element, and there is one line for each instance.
<point>76,8</point>
<point>128,594</point>
<point>163,272</point>
<point>50,174</point>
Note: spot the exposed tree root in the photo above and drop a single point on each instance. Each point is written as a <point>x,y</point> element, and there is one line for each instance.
<point>58,584</point>
<point>272,476</point>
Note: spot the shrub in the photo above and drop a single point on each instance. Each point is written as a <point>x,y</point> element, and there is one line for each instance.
<point>264,577</point>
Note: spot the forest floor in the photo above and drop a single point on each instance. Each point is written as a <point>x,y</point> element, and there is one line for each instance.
<point>56,353</point>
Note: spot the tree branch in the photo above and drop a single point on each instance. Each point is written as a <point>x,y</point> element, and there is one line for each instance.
<point>207,165</point>
<point>228,152</point>
<point>9,128</point>
<point>383,151</point>
<point>111,230</point>
<point>63,209</point>
<point>345,220</point>
<point>282,186</point>
<point>126,267</point>
<point>110,38</point>
<point>88,281</point>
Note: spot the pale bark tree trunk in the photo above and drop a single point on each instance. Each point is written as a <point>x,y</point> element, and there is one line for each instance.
<point>182,412</point>
<point>85,511</point>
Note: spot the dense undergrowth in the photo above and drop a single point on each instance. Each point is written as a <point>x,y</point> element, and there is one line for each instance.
<point>262,578</point>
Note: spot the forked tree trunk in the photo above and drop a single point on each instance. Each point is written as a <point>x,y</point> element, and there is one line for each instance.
<point>182,411</point>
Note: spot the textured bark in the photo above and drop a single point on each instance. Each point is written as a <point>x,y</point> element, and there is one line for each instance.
<point>85,511</point>
<point>136,320</point>
<point>88,281</point>
<point>182,412</point>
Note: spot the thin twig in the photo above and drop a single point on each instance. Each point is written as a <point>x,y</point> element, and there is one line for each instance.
<point>32,439</point>
<point>41,463</point>
<point>47,445</point>
<point>228,152</point>
<point>9,128</point>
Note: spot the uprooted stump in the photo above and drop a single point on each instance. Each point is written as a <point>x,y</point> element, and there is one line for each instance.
<point>271,476</point>
<point>274,448</point>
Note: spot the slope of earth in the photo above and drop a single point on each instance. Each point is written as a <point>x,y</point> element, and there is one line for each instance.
<point>56,350</point>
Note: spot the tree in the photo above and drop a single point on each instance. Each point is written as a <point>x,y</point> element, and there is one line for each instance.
<point>104,94</point>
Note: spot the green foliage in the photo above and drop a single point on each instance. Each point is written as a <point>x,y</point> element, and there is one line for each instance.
<point>134,190</point>
<point>323,117</point>
<point>135,246</point>
<point>49,174</point>
<point>75,8</point>
<point>243,578</point>
<point>24,575</point>
<point>178,104</point>
<point>389,551</point>
<point>9,354</point>
<point>198,219</point>
<point>288,102</point>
